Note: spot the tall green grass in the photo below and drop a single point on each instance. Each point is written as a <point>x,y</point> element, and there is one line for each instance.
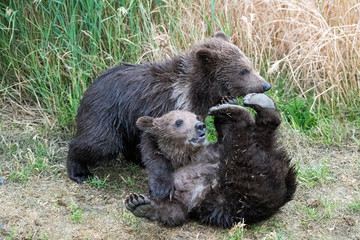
<point>50,51</point>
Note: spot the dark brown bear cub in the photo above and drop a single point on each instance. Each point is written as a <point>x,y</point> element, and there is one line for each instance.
<point>192,81</point>
<point>245,176</point>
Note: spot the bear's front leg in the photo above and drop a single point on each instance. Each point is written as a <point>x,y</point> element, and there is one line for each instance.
<point>159,168</point>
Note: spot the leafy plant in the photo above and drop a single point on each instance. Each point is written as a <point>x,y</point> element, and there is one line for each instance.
<point>76,214</point>
<point>98,183</point>
<point>312,175</point>
<point>297,112</point>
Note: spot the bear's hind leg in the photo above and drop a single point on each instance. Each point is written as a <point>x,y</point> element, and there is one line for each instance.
<point>215,210</point>
<point>231,118</point>
<point>83,152</point>
<point>76,167</point>
<point>169,213</point>
<point>140,205</point>
<point>267,114</point>
<point>267,118</point>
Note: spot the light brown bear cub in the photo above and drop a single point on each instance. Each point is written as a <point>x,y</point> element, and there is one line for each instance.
<point>245,176</point>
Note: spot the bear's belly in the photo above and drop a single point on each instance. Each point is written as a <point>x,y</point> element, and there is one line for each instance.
<point>193,182</point>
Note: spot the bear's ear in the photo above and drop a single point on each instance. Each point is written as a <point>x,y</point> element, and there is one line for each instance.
<point>221,35</point>
<point>145,123</point>
<point>206,56</point>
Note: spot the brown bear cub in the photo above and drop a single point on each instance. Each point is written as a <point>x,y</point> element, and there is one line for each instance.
<point>245,176</point>
<point>192,81</point>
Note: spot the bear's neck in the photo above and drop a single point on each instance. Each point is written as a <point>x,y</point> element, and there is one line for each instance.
<point>179,154</point>
<point>204,90</point>
<point>174,73</point>
<point>192,89</point>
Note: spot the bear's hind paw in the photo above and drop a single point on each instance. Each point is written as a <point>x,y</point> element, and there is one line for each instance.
<point>138,204</point>
<point>258,99</point>
<point>224,108</point>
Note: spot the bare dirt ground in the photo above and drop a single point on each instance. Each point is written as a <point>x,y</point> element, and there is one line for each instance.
<point>38,201</point>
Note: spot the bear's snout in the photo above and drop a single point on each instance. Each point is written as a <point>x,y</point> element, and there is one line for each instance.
<point>200,128</point>
<point>266,86</point>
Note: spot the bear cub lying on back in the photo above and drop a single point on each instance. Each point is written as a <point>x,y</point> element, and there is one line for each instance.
<point>245,176</point>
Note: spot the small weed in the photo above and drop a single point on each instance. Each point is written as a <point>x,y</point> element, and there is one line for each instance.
<point>329,207</point>
<point>98,183</point>
<point>129,181</point>
<point>40,165</point>
<point>275,236</point>
<point>76,214</point>
<point>356,140</point>
<point>314,213</point>
<point>271,229</point>
<point>44,236</point>
<point>21,176</point>
<point>315,174</point>
<point>129,219</point>
<point>237,232</point>
<point>297,112</point>
<point>323,209</point>
<point>11,234</point>
<point>132,168</point>
<point>355,205</point>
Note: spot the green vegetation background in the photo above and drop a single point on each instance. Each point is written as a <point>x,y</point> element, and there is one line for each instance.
<point>50,51</point>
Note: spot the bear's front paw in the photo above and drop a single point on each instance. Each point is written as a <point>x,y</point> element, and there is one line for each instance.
<point>138,204</point>
<point>162,188</point>
<point>254,100</point>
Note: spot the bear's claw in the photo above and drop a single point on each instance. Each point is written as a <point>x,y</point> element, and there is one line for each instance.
<point>258,99</point>
<point>229,100</point>
<point>138,204</point>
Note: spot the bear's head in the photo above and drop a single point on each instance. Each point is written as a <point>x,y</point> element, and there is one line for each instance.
<point>179,134</point>
<point>222,69</point>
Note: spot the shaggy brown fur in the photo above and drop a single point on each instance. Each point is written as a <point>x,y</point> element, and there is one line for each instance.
<point>245,176</point>
<point>192,81</point>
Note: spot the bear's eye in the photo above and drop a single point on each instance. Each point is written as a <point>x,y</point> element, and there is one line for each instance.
<point>198,118</point>
<point>178,123</point>
<point>244,71</point>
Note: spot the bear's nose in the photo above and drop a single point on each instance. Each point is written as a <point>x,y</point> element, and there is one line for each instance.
<point>266,87</point>
<point>200,127</point>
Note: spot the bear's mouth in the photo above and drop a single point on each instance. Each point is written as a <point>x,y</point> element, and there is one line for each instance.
<point>199,139</point>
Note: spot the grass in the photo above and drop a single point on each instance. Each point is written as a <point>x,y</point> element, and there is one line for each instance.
<point>355,205</point>
<point>32,157</point>
<point>315,174</point>
<point>97,182</point>
<point>129,219</point>
<point>237,232</point>
<point>76,214</point>
<point>52,51</point>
